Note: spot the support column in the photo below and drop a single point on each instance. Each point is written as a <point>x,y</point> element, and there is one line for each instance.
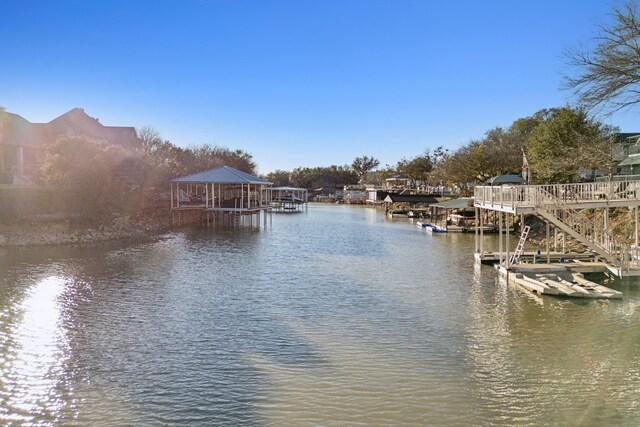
<point>548,251</point>
<point>506,239</point>
<point>500,236</point>
<point>606,229</point>
<point>482,231</point>
<point>477,222</point>
<point>636,227</point>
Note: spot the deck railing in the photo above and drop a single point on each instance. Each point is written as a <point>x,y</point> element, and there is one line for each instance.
<point>535,195</point>
<point>559,203</point>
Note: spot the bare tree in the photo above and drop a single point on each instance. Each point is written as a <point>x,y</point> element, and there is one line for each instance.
<point>608,74</point>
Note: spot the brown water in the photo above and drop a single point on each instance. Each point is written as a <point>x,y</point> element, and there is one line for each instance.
<point>331,317</point>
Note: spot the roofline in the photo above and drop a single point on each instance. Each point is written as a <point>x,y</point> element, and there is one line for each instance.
<point>242,179</point>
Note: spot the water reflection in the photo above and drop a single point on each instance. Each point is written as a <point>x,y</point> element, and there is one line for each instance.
<point>34,348</point>
<point>330,317</point>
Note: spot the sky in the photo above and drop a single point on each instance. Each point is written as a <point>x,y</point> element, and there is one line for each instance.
<point>297,83</point>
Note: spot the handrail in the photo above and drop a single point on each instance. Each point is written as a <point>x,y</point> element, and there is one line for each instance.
<point>528,195</point>
<point>558,202</point>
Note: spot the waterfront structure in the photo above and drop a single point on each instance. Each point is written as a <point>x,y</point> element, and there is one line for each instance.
<point>397,182</point>
<point>225,196</point>
<point>562,206</point>
<point>395,201</point>
<point>505,179</point>
<point>453,215</point>
<point>354,194</point>
<point>22,143</point>
<point>328,194</point>
<point>289,199</point>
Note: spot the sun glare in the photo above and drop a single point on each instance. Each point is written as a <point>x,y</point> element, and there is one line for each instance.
<point>32,353</point>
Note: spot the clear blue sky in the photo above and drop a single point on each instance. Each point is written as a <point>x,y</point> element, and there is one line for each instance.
<point>297,82</point>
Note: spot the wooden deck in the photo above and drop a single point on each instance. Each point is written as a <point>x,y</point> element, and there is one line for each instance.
<point>519,199</point>
<point>562,206</point>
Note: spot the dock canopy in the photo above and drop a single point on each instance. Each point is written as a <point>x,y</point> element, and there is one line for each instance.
<point>289,199</point>
<point>222,175</point>
<point>460,203</point>
<point>425,199</point>
<point>223,189</point>
<point>504,179</point>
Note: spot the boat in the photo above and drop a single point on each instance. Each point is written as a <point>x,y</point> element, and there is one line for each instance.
<point>436,229</point>
<point>431,227</point>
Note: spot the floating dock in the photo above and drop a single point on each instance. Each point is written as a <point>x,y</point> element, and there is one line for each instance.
<point>562,282</point>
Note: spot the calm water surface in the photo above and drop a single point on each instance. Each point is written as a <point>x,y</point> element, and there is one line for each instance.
<point>331,317</point>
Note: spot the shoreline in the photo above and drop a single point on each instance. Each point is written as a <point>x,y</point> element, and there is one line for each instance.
<point>65,232</point>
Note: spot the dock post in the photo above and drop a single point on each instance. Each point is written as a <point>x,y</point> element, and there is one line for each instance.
<point>506,240</point>
<point>481,231</point>
<point>548,252</point>
<point>636,227</point>
<point>475,211</point>
<point>500,236</point>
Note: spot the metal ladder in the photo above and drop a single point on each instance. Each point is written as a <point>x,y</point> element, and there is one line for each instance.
<point>520,248</point>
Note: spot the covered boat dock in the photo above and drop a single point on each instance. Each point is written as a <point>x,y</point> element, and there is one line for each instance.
<point>227,197</point>
<point>289,199</point>
<point>578,211</point>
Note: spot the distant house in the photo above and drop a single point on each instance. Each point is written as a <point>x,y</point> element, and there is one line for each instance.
<point>22,143</point>
<point>625,157</point>
<point>397,181</point>
<point>376,194</point>
<point>408,201</point>
<point>328,194</point>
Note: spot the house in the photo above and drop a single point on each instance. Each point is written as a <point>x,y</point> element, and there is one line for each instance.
<point>408,201</point>
<point>328,194</point>
<point>397,182</point>
<point>625,156</point>
<point>354,194</point>
<point>22,143</point>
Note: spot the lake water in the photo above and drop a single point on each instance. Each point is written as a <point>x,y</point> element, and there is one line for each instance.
<point>335,316</point>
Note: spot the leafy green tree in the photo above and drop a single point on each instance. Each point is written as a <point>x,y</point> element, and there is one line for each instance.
<point>364,164</point>
<point>608,73</point>
<point>498,152</point>
<point>421,168</point>
<point>416,169</point>
<point>566,142</point>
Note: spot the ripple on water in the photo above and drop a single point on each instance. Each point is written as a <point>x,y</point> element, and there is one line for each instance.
<point>331,317</point>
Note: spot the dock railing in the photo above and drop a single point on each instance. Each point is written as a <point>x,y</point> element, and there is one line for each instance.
<point>561,204</point>
<point>535,195</point>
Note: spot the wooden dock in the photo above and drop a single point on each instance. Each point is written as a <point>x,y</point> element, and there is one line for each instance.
<point>534,257</point>
<point>558,280</point>
<point>562,207</point>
